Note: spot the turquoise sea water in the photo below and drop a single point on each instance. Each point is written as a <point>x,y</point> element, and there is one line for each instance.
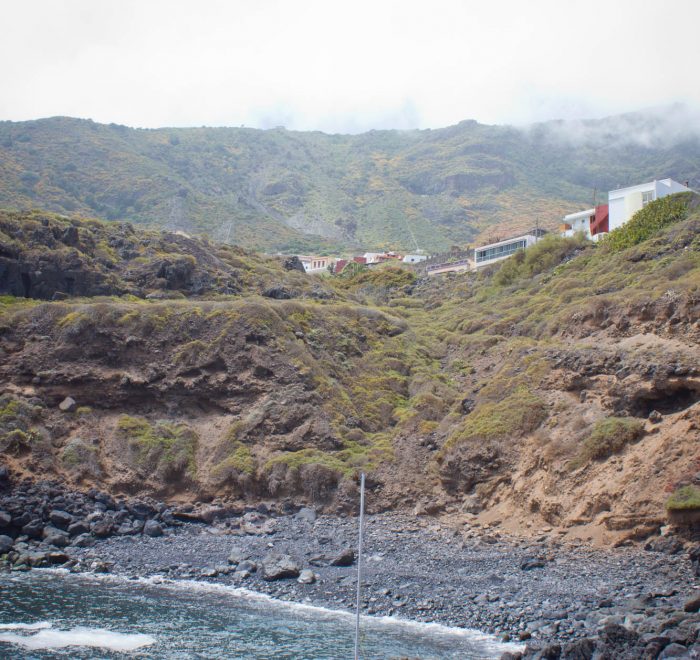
<point>53,615</point>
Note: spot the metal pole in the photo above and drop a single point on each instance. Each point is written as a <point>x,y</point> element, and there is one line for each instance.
<point>359,568</point>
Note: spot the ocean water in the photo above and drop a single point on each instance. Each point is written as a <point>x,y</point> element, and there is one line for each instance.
<point>51,614</point>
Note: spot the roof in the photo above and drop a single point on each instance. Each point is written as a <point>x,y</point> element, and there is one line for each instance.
<point>580,214</point>
<point>505,242</point>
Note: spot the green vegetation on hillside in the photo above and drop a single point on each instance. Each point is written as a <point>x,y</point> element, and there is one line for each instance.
<point>309,192</point>
<point>645,223</point>
<point>686,498</point>
<point>609,436</point>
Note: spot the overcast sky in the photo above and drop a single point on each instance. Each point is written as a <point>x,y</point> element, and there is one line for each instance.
<point>344,66</point>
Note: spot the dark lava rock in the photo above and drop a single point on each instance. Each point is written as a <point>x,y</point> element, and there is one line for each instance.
<point>294,263</point>
<point>78,528</point>
<point>693,603</point>
<point>5,519</point>
<point>102,528</point>
<point>56,537</point>
<point>674,651</point>
<point>153,529</point>
<point>60,518</point>
<point>279,293</point>
<point>33,529</point>
<point>344,558</point>
<point>277,567</point>
<point>581,649</point>
<point>694,556</point>
<point>6,544</point>
<point>532,562</point>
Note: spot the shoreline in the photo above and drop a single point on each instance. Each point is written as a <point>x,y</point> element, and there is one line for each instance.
<point>417,570</point>
<point>544,592</point>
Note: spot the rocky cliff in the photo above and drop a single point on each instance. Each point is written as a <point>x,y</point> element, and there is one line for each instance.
<point>557,394</point>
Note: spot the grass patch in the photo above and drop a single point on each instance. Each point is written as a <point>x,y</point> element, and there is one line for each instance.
<point>519,413</point>
<point>686,498</point>
<point>609,436</point>
<point>165,449</point>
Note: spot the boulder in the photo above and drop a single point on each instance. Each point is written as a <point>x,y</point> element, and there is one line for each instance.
<point>83,541</point>
<point>153,529</point>
<point>78,528</point>
<point>693,603</point>
<point>277,567</point>
<point>60,518</point>
<point>102,528</point>
<point>581,649</point>
<point>33,529</point>
<point>246,566</point>
<point>56,537</point>
<point>56,558</point>
<point>293,263</point>
<point>307,576</point>
<point>306,513</point>
<point>237,555</point>
<point>6,544</point>
<point>279,292</point>
<point>674,651</point>
<point>344,558</point>
<point>68,405</point>
<point>5,519</point>
<point>529,563</point>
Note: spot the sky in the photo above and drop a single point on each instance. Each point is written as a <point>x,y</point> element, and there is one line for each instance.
<point>345,67</point>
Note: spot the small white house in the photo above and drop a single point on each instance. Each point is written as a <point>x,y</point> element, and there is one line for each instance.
<point>493,252</point>
<point>414,258</point>
<point>575,223</point>
<point>625,202</point>
<point>316,264</point>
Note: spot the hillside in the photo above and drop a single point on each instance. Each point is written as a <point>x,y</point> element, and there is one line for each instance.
<point>561,390</point>
<point>279,190</point>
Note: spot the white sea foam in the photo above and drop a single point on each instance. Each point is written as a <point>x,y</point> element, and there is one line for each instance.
<point>318,611</point>
<point>46,637</point>
<point>25,626</point>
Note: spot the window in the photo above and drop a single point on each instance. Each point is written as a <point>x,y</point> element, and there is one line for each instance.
<point>499,251</point>
<point>647,197</point>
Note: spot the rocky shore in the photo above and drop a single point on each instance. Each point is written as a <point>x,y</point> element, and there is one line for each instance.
<point>564,601</point>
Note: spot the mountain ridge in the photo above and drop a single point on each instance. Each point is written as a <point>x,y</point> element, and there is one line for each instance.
<point>279,190</point>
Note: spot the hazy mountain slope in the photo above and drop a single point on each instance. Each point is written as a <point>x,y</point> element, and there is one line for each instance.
<point>286,190</point>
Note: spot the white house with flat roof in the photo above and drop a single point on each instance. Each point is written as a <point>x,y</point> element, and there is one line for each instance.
<point>414,258</point>
<point>493,252</point>
<point>578,222</point>
<point>625,202</point>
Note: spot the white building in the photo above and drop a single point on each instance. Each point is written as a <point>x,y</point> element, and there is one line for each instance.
<point>625,202</point>
<point>493,252</point>
<point>414,258</point>
<point>316,264</point>
<point>578,222</point>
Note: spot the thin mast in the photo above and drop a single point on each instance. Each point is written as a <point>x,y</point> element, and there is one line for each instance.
<point>359,568</point>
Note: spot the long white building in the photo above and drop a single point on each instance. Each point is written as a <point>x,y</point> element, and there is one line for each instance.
<point>493,252</point>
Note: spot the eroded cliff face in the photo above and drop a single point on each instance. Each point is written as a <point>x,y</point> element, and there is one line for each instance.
<point>566,402</point>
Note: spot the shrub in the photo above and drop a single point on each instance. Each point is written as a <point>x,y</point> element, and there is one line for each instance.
<point>609,436</point>
<point>645,223</point>
<point>544,255</point>
<point>165,449</point>
<point>519,413</point>
<point>684,499</point>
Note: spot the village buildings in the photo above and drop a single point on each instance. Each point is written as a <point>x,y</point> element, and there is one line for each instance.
<point>593,223</point>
